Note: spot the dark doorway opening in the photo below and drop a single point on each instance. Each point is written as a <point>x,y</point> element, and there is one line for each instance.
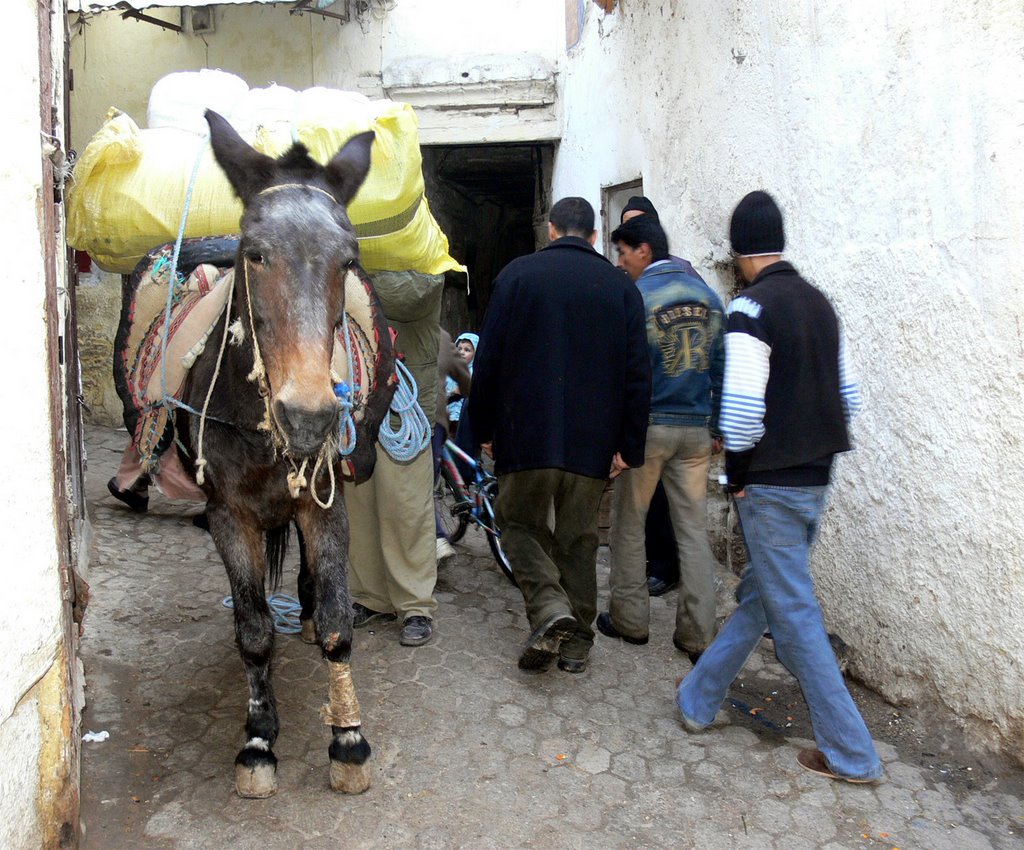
<point>492,202</point>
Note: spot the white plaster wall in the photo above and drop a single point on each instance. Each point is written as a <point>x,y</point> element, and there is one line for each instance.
<point>30,622</point>
<point>890,134</point>
<point>117,61</point>
<point>473,27</point>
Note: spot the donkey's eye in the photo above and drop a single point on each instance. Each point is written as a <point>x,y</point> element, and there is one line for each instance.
<point>254,257</point>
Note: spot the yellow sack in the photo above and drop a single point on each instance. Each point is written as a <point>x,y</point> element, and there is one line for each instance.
<point>130,186</point>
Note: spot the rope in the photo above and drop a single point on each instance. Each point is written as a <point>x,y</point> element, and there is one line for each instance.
<point>413,433</point>
<point>284,609</point>
<point>258,375</point>
<point>200,458</point>
<point>343,392</point>
<point>172,275</point>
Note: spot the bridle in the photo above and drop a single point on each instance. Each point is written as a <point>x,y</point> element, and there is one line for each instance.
<point>297,481</point>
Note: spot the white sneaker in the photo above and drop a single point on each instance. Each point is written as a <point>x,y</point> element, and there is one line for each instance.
<point>445,550</point>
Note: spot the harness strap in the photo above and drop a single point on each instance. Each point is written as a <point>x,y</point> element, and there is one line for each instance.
<point>281,186</point>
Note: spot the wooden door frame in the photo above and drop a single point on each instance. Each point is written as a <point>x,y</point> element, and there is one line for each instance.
<point>60,820</point>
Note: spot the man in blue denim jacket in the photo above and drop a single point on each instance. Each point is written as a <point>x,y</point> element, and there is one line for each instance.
<point>685,344</point>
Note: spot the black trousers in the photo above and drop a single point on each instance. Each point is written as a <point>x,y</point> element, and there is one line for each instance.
<point>662,554</point>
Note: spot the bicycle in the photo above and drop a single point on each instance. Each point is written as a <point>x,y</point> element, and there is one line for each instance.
<point>461,503</point>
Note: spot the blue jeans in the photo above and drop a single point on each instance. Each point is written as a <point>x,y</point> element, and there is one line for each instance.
<point>776,592</point>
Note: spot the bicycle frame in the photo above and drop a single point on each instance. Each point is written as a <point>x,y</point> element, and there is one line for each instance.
<point>474,501</point>
<point>481,511</point>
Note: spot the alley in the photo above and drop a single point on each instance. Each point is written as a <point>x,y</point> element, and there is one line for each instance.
<point>468,752</point>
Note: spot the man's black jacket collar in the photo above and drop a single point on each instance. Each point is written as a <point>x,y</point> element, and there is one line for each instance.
<point>781,267</point>
<point>577,242</point>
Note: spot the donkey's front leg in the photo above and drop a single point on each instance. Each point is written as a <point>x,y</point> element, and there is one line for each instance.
<point>242,550</point>
<point>307,592</point>
<point>326,538</point>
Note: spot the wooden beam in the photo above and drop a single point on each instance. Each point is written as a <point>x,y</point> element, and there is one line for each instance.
<point>139,16</point>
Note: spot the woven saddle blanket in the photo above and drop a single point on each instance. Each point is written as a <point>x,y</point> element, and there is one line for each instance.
<point>146,367</point>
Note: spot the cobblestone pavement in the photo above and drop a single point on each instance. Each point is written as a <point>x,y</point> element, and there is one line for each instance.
<point>468,751</point>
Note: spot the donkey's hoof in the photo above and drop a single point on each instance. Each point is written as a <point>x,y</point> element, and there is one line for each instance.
<point>255,782</point>
<point>255,772</point>
<point>350,778</point>
<point>308,632</point>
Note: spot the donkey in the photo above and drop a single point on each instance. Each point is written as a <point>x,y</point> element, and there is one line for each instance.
<point>266,442</point>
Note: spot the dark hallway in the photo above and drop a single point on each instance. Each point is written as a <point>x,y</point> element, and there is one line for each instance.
<point>491,201</point>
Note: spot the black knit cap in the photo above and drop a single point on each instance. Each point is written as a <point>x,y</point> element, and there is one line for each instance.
<point>756,226</point>
<point>639,203</point>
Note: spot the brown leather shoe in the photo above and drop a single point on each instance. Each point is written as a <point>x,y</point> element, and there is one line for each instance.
<point>814,761</point>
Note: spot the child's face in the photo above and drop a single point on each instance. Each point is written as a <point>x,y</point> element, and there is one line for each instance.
<point>466,350</point>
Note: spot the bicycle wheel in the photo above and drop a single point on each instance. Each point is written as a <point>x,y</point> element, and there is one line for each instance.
<point>454,510</point>
<point>490,493</point>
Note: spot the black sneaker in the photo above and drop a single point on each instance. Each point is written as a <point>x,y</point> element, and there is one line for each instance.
<point>542,647</point>
<point>361,615</point>
<point>572,665</point>
<point>416,631</point>
<point>137,500</point>
<point>692,654</point>
<point>605,627</point>
<point>658,587</point>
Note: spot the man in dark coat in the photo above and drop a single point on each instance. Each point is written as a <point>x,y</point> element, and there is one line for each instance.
<point>561,391</point>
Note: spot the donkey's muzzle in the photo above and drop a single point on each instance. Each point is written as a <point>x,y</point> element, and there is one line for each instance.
<point>306,428</point>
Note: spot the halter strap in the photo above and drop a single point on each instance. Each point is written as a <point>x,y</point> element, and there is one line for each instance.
<point>280,186</point>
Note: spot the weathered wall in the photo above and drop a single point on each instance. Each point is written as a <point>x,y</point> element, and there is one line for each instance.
<point>31,646</point>
<point>890,134</point>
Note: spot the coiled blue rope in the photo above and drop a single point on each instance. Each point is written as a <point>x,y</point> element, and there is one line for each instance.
<point>413,432</point>
<point>344,393</point>
<point>284,609</point>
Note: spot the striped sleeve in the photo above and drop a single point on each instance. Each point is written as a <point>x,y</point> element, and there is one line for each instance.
<point>849,388</point>
<point>741,420</point>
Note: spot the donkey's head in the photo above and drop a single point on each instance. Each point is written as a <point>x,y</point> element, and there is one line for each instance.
<point>297,245</point>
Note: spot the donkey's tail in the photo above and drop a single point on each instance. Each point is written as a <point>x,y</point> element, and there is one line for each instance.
<point>277,546</point>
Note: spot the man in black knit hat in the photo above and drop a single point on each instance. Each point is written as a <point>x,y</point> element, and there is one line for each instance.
<point>787,398</point>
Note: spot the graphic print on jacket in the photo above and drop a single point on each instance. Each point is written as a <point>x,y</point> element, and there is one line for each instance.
<point>683,338</point>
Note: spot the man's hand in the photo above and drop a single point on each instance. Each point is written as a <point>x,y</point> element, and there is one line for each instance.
<point>717,443</point>
<point>618,464</point>
<point>488,449</point>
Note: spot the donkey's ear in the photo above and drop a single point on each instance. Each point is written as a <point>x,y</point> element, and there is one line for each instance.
<point>248,171</point>
<point>347,171</point>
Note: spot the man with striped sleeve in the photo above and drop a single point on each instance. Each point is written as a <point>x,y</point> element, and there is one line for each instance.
<point>786,400</point>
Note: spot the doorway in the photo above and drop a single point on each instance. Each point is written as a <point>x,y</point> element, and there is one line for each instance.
<point>492,202</point>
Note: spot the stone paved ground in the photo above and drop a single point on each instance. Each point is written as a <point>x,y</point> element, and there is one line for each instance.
<point>469,753</point>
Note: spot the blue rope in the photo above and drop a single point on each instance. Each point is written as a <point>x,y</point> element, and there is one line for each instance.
<point>413,433</point>
<point>172,276</point>
<point>343,392</point>
<point>284,609</point>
